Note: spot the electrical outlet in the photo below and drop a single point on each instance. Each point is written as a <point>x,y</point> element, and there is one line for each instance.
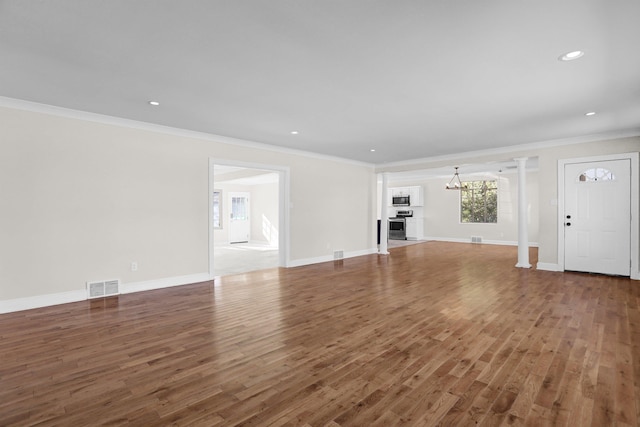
<point>134,266</point>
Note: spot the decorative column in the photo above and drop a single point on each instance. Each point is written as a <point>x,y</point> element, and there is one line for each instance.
<point>523,221</point>
<point>384,215</point>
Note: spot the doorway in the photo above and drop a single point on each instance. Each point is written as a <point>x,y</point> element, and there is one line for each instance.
<point>595,225</point>
<point>248,225</point>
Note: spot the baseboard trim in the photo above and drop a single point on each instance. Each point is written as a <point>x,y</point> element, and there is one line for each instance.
<point>327,258</point>
<point>547,266</point>
<point>149,285</point>
<point>484,242</point>
<point>39,301</point>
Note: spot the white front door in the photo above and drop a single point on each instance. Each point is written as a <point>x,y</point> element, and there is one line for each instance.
<point>597,217</point>
<point>238,217</point>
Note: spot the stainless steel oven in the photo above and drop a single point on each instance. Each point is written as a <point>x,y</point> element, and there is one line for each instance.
<point>398,225</point>
<point>397,229</point>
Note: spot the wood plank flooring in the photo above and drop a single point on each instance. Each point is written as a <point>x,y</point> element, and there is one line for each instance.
<point>433,334</point>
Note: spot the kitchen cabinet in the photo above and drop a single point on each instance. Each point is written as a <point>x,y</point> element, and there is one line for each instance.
<point>415,193</point>
<point>415,228</point>
<point>416,196</point>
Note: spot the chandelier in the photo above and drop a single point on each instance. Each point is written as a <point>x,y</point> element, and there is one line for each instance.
<point>454,183</point>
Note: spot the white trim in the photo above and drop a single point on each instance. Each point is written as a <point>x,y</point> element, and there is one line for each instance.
<point>327,258</point>
<point>19,104</point>
<point>284,197</point>
<point>523,221</point>
<point>38,301</point>
<point>36,107</point>
<point>634,158</point>
<point>484,242</point>
<point>149,285</point>
<point>381,167</point>
<point>546,266</point>
<point>383,247</point>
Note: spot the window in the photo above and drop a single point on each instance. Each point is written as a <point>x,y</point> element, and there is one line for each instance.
<point>479,202</point>
<point>596,174</point>
<point>217,208</point>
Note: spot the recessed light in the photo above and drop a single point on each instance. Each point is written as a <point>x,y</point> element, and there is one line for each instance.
<point>294,132</point>
<point>590,113</point>
<point>372,150</point>
<point>154,103</point>
<point>570,56</point>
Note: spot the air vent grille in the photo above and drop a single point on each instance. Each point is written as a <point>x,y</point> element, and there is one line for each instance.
<point>476,239</point>
<point>103,289</point>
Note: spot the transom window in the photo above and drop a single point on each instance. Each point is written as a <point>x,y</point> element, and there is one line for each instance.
<point>479,202</point>
<point>596,174</point>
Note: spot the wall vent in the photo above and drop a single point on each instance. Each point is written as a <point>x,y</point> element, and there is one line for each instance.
<point>103,289</point>
<point>338,254</point>
<point>476,239</point>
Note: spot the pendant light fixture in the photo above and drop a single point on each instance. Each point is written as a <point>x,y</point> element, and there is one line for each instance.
<point>454,183</point>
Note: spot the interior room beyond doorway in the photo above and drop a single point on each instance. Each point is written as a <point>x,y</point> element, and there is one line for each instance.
<point>257,220</point>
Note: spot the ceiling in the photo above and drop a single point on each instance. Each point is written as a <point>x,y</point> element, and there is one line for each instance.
<point>410,79</point>
<point>467,171</point>
<point>243,176</point>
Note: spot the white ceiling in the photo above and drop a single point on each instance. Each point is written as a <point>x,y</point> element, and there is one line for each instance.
<point>408,78</point>
<point>466,171</point>
<point>243,176</point>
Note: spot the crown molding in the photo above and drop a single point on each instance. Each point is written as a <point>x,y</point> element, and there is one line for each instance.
<point>35,107</point>
<point>380,167</point>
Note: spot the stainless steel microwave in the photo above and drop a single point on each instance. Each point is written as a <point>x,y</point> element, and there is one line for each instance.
<point>400,201</point>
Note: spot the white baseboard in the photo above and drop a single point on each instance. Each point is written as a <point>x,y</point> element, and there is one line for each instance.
<point>547,266</point>
<point>484,242</point>
<point>39,301</point>
<point>327,258</point>
<point>149,285</point>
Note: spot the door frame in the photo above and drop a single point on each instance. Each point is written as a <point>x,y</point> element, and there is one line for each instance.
<point>635,205</point>
<point>284,190</point>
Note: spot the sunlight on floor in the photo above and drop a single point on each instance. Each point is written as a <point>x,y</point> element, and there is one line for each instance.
<point>243,257</point>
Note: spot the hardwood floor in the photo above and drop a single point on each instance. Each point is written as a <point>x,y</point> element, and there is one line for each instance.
<point>434,334</point>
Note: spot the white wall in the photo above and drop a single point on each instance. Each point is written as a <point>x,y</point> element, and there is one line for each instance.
<point>80,200</point>
<point>264,213</point>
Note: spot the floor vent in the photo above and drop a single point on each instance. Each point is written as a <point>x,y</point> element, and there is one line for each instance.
<point>476,239</point>
<point>103,289</point>
<point>338,254</point>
